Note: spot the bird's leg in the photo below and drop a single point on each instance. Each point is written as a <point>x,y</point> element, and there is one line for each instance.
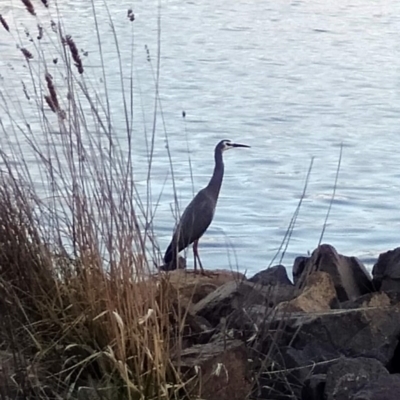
<point>197,257</point>
<point>195,252</point>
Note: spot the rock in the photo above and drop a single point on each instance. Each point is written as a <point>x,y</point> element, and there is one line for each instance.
<point>318,295</point>
<point>347,376</point>
<point>374,299</point>
<point>370,333</point>
<point>314,387</point>
<point>197,330</point>
<point>350,277</point>
<point>222,369</point>
<point>386,388</point>
<point>272,276</point>
<point>299,345</point>
<point>386,271</point>
<point>194,287</point>
<point>236,300</point>
<point>298,267</point>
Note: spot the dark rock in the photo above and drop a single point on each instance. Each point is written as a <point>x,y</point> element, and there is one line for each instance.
<point>237,299</point>
<point>314,387</point>
<point>375,299</point>
<point>276,385</point>
<point>298,267</point>
<point>386,271</point>
<point>370,333</point>
<point>197,330</point>
<point>350,277</point>
<point>394,364</point>
<point>347,376</point>
<point>386,388</point>
<point>272,276</point>
<point>291,374</point>
<point>394,297</point>
<point>222,368</point>
<point>300,345</point>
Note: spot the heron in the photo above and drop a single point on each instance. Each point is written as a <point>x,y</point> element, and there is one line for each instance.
<point>199,214</point>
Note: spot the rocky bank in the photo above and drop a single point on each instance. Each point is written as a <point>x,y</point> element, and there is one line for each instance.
<point>333,334</point>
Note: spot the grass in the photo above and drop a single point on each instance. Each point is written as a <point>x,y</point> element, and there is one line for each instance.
<point>81,313</point>
<point>82,316</point>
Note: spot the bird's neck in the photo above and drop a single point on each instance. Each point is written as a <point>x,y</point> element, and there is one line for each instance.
<point>216,179</point>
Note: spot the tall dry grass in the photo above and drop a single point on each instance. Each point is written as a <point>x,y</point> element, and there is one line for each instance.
<point>81,315</point>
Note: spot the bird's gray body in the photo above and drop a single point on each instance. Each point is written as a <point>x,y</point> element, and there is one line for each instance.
<point>195,220</point>
<point>199,214</point>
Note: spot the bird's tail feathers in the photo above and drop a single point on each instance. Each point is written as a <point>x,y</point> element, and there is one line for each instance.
<point>171,259</point>
<point>169,254</point>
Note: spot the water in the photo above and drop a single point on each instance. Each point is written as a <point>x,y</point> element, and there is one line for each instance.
<point>292,79</point>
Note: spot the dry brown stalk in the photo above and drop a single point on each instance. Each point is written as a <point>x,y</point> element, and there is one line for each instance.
<point>25,91</point>
<point>75,283</point>
<point>45,3</point>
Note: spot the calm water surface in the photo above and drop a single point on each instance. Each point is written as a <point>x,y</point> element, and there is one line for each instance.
<point>293,79</point>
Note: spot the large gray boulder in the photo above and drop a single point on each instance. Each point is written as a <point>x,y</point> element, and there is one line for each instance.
<point>314,387</point>
<point>386,388</point>
<point>236,301</point>
<point>309,344</point>
<point>386,271</point>
<point>349,275</point>
<point>371,332</point>
<point>273,276</point>
<point>347,376</point>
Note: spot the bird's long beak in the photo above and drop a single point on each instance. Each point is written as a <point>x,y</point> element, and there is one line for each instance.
<point>239,145</point>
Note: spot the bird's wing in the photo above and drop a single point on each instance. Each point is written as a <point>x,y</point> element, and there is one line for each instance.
<point>195,220</point>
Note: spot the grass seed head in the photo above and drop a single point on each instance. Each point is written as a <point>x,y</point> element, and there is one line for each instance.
<point>29,6</point>
<point>28,55</point>
<point>4,23</point>
<point>74,52</point>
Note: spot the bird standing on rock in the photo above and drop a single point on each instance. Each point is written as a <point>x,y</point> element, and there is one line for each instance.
<point>199,214</point>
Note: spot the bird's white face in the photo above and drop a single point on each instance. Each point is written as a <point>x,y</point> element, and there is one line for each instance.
<point>226,145</point>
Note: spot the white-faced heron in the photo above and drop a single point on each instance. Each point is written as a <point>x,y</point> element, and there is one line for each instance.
<point>199,214</point>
